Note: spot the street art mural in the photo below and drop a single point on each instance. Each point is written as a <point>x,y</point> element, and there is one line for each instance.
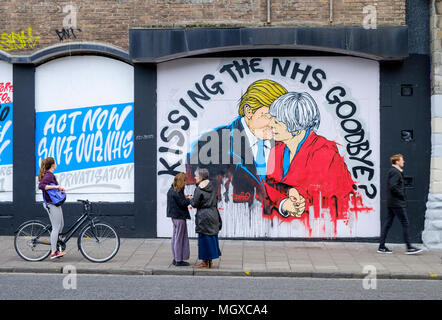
<point>292,144</point>
<point>87,128</point>
<point>6,97</point>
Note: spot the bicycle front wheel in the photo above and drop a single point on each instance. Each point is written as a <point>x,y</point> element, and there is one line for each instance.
<point>99,243</point>
<point>33,241</point>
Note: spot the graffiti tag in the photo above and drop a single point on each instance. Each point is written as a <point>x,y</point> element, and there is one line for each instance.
<point>18,41</point>
<point>66,33</point>
<point>5,92</point>
<point>242,196</point>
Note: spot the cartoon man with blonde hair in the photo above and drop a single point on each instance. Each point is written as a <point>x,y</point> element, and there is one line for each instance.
<point>248,141</point>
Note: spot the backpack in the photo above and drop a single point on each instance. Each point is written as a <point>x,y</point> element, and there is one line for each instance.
<point>57,197</point>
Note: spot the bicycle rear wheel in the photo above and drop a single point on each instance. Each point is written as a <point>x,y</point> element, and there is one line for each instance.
<point>32,241</point>
<point>99,243</point>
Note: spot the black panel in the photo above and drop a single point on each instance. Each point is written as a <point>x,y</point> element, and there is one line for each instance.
<point>67,49</point>
<point>145,149</point>
<point>407,113</point>
<point>418,22</point>
<point>267,53</point>
<point>268,36</point>
<point>156,45</point>
<point>157,42</point>
<point>383,41</point>
<point>199,39</point>
<point>23,142</point>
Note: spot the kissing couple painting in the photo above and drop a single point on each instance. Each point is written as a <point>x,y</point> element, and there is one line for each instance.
<point>275,156</point>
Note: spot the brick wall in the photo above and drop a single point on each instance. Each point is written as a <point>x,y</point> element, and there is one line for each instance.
<point>109,21</point>
<point>436,45</point>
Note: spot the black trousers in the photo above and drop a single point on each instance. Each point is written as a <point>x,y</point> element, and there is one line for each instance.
<point>401,214</point>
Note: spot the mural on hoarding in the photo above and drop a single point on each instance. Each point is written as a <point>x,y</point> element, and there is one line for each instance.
<point>88,129</point>
<point>6,166</point>
<point>292,144</point>
<point>83,140</point>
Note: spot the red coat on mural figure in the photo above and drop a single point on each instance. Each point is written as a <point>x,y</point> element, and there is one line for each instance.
<point>317,171</point>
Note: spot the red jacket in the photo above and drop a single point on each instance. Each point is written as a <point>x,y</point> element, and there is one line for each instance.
<point>317,171</point>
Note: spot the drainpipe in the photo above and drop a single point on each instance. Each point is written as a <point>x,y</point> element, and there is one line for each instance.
<point>331,11</point>
<point>268,11</point>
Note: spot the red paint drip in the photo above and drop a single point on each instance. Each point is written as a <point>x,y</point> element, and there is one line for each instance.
<point>339,209</point>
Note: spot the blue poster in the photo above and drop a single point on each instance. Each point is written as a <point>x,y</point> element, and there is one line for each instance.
<point>6,134</point>
<point>86,138</point>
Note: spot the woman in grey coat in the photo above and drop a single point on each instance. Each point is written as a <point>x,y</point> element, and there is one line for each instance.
<point>207,220</point>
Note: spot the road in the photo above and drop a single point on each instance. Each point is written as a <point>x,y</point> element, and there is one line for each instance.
<point>110,287</point>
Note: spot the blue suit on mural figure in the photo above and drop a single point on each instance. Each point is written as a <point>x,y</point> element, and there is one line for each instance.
<point>238,152</point>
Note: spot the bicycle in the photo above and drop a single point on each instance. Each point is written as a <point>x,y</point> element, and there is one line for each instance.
<point>97,241</point>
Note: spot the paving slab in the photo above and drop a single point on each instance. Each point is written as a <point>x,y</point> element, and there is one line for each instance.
<point>249,258</point>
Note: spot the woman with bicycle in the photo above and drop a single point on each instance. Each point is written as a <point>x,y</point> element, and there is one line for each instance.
<point>48,181</point>
<point>35,241</point>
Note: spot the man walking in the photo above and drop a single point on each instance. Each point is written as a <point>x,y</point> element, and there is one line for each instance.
<point>397,204</point>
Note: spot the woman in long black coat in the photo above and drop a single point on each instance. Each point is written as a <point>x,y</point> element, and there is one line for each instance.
<point>207,220</point>
<point>177,210</point>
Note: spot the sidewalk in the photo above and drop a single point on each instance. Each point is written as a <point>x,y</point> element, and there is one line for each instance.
<point>242,258</point>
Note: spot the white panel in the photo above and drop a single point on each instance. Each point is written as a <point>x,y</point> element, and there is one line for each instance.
<point>81,81</point>
<point>84,118</point>
<point>359,78</point>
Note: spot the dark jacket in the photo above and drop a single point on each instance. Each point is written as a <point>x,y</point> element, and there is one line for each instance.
<point>207,218</point>
<point>177,205</point>
<point>239,172</point>
<point>48,178</point>
<point>395,189</point>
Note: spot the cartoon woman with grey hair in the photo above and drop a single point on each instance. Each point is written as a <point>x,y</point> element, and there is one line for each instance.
<point>304,169</point>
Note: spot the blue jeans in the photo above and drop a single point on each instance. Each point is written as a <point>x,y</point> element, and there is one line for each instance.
<point>401,214</point>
